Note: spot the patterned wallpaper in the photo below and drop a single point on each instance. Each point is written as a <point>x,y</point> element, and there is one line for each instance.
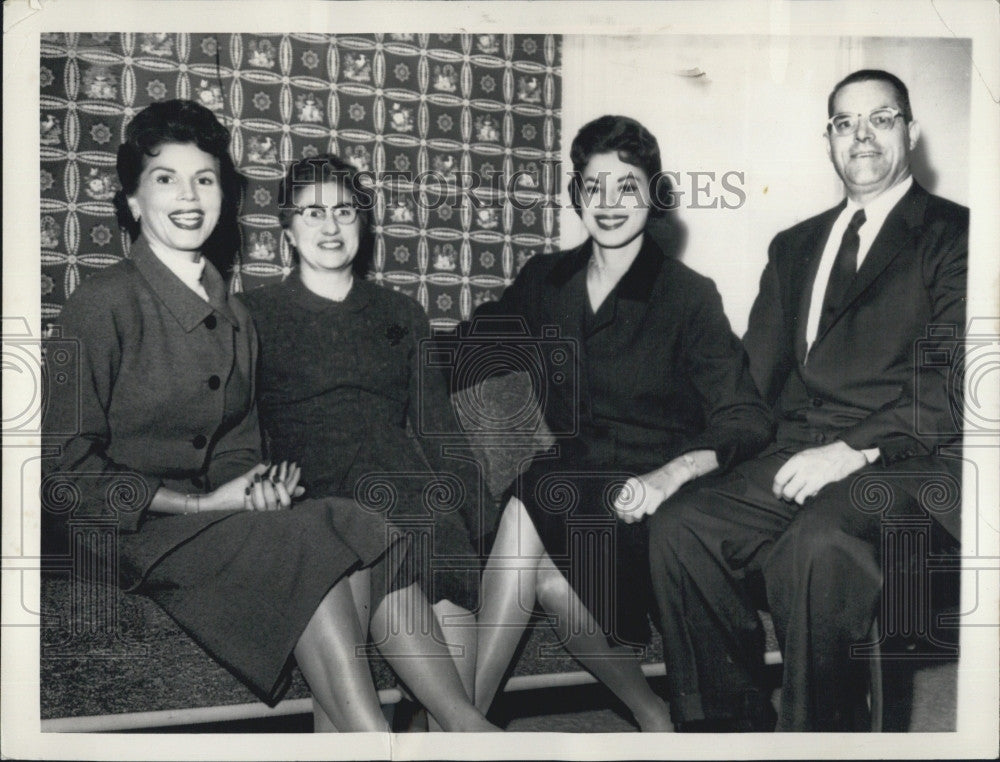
<point>448,108</point>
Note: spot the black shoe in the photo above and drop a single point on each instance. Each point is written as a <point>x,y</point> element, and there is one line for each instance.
<point>409,717</point>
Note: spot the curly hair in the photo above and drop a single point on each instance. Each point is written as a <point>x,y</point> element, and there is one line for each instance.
<point>179,121</point>
<point>634,145</point>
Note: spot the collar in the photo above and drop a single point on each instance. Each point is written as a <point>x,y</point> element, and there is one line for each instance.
<point>637,282</point>
<point>189,272</point>
<point>356,300</point>
<point>185,305</point>
<point>878,208</point>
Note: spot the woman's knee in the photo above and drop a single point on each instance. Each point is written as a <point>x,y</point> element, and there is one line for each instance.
<point>510,516</point>
<point>516,538</point>
<point>448,613</point>
<point>551,589</point>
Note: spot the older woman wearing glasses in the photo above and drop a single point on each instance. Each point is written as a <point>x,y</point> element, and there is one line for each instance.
<point>338,382</point>
<point>164,443</point>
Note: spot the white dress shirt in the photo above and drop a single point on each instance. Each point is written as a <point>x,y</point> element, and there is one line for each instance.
<point>875,213</point>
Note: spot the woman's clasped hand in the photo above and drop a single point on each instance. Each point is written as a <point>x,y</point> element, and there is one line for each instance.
<point>263,488</point>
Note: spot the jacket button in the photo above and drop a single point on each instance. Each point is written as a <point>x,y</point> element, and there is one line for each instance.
<point>214,383</point>
<point>818,438</point>
<point>817,402</point>
<point>210,322</point>
<point>199,441</point>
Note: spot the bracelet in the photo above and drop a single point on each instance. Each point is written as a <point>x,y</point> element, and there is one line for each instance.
<point>197,503</point>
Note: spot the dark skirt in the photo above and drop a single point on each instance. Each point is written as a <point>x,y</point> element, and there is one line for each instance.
<point>246,587</point>
<point>605,560</point>
<point>444,560</point>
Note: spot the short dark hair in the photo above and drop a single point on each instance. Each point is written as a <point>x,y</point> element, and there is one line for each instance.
<point>874,75</point>
<point>634,145</point>
<point>180,121</point>
<point>174,121</point>
<point>326,168</point>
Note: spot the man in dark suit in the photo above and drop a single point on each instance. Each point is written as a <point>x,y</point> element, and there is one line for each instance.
<point>845,300</point>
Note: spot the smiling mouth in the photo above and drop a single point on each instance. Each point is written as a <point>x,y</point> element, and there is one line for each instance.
<point>330,245</point>
<point>188,220</point>
<point>865,154</point>
<point>610,221</point>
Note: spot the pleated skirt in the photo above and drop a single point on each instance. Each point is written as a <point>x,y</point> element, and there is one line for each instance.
<point>245,587</point>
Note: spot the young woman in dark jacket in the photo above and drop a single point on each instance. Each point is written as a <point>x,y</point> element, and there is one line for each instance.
<point>645,388</point>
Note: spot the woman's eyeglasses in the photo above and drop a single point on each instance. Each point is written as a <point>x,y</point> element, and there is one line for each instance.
<point>847,124</point>
<point>314,216</point>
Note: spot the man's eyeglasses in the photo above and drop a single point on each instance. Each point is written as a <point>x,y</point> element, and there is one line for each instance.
<point>847,124</point>
<point>314,216</point>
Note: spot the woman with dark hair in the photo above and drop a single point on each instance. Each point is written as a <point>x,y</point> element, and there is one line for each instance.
<point>339,378</point>
<point>658,394</point>
<point>166,445</point>
<point>179,122</point>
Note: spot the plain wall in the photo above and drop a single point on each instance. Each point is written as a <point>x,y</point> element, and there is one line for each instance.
<point>759,108</point>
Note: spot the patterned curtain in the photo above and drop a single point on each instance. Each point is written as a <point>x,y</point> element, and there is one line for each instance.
<point>457,110</point>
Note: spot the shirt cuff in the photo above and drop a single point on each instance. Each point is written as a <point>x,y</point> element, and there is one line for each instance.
<point>872,454</point>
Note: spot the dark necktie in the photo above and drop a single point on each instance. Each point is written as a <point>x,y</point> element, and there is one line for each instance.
<point>845,267</point>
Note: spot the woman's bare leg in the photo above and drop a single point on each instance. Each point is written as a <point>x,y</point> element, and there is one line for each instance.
<point>340,680</point>
<point>360,584</point>
<point>361,589</point>
<point>508,598</point>
<point>408,636</point>
<point>586,642</point>
<point>458,626</point>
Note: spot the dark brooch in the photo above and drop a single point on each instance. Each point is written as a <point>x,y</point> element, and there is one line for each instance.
<point>395,333</point>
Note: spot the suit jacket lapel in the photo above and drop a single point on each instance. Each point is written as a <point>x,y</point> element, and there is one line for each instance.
<point>185,305</point>
<point>567,302</point>
<point>636,285</point>
<point>897,230</point>
<point>801,280</point>
<point>632,292</point>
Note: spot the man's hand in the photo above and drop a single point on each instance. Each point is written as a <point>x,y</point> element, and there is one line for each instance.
<point>807,472</point>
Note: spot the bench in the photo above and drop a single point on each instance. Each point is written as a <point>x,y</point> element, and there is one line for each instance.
<point>111,661</point>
